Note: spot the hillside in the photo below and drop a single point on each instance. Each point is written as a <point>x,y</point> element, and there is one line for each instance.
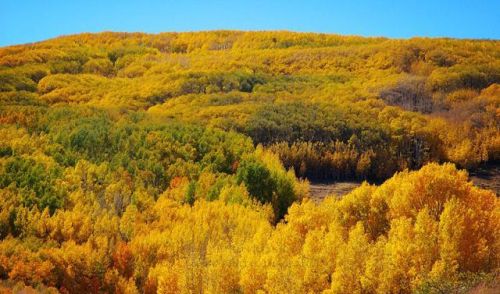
<point>174,162</point>
<point>367,106</point>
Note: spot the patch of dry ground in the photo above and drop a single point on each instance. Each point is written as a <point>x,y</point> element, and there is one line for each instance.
<point>320,190</point>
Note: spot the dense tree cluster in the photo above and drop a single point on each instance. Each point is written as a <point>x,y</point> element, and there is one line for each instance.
<point>429,231</point>
<point>282,87</point>
<point>177,163</point>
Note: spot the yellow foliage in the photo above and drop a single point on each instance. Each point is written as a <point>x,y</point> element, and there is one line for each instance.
<point>178,163</point>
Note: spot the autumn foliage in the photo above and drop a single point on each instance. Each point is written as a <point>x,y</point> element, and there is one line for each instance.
<point>179,163</point>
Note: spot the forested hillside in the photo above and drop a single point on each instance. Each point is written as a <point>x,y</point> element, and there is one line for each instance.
<point>179,163</point>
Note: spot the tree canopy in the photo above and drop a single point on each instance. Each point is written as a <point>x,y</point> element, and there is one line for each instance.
<point>180,163</point>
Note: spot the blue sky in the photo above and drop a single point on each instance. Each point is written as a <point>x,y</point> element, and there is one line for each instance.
<point>28,21</point>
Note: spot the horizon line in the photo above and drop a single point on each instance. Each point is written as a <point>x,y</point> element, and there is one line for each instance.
<point>250,31</point>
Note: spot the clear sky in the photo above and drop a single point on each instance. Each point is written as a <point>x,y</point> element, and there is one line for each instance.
<point>35,20</point>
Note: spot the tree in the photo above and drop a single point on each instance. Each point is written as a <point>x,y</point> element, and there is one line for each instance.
<point>257,179</point>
